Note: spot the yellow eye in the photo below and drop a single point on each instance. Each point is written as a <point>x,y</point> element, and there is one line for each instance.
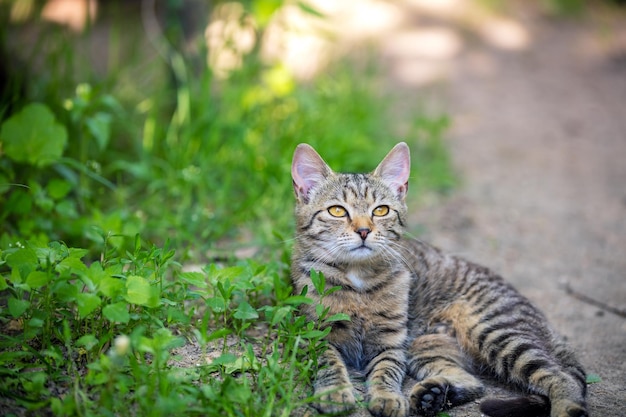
<point>337,211</point>
<point>381,211</point>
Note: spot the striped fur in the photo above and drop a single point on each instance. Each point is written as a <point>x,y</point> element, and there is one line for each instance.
<point>415,310</point>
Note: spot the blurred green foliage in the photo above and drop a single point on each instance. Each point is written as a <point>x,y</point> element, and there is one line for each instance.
<point>189,157</point>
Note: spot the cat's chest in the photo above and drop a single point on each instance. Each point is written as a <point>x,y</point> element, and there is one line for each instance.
<point>356,279</point>
<point>369,283</point>
<point>370,300</point>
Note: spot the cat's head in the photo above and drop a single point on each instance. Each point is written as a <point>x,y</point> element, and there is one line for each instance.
<point>350,218</point>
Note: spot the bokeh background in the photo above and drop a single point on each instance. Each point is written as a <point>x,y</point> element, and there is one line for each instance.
<point>130,123</point>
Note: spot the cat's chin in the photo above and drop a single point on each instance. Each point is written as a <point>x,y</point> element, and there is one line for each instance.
<point>361,254</point>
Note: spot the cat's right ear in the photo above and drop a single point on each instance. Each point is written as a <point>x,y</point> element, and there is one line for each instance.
<point>395,169</point>
<point>307,170</point>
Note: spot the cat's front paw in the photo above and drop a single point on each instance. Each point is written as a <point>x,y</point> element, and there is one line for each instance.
<point>388,404</point>
<point>428,398</point>
<point>335,400</point>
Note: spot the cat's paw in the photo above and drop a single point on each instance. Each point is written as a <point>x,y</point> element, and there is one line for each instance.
<point>568,408</point>
<point>335,400</point>
<point>388,404</point>
<point>428,398</point>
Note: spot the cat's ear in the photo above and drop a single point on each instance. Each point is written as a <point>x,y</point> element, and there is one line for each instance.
<point>307,170</point>
<point>395,169</point>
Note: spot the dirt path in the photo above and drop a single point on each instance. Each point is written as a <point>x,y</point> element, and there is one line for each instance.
<point>539,140</point>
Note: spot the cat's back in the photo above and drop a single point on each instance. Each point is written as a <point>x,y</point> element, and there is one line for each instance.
<point>449,289</point>
<point>443,281</point>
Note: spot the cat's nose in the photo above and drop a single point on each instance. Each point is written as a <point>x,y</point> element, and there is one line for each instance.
<point>363,231</point>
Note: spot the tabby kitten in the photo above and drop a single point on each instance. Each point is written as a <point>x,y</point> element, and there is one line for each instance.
<point>415,310</point>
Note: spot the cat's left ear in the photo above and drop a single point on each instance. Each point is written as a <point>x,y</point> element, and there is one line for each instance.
<point>395,169</point>
<point>308,169</point>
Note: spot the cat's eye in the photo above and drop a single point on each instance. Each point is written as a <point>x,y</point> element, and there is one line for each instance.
<point>381,211</point>
<point>337,211</point>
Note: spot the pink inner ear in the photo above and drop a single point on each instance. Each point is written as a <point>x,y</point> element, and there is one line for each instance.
<point>396,168</point>
<point>307,170</point>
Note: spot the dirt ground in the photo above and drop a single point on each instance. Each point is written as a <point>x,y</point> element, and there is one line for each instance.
<point>538,106</point>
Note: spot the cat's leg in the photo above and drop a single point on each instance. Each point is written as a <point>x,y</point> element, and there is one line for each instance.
<point>568,387</point>
<point>437,362</point>
<point>564,385</point>
<point>564,391</point>
<point>332,385</point>
<point>544,365</point>
<point>385,374</point>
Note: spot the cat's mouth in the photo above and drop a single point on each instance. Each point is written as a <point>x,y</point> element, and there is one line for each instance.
<point>361,248</point>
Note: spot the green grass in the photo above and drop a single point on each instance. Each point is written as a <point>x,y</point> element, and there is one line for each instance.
<point>100,338</point>
<point>124,178</point>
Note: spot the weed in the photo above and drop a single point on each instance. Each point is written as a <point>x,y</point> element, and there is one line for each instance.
<point>104,331</point>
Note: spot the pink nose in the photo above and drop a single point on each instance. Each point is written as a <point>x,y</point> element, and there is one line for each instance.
<point>363,231</point>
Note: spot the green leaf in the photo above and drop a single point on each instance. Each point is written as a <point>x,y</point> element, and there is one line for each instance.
<point>338,317</point>
<point>320,310</point>
<point>196,279</point>
<point>305,7</point>
<point>117,313</point>
<point>242,364</point>
<point>87,303</point>
<point>593,379</point>
<point>110,286</point>
<point>316,334</point>
<point>24,260</point>
<point>3,283</point>
<point>77,253</point>
<point>67,210</point>
<point>37,279</point>
<point>17,307</point>
<point>88,341</point>
<point>319,281</point>
<point>230,273</point>
<point>236,392</point>
<point>279,314</point>
<point>245,312</point>
<point>224,359</point>
<point>137,290</point>
<point>65,291</point>
<point>297,300</point>
<point>140,292</point>
<point>218,334</point>
<point>58,189</point>
<point>36,322</point>
<point>71,265</point>
<point>217,305</point>
<point>100,128</point>
<point>33,136</point>
<point>19,202</point>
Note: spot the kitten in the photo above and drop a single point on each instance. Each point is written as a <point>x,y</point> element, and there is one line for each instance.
<point>415,310</point>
